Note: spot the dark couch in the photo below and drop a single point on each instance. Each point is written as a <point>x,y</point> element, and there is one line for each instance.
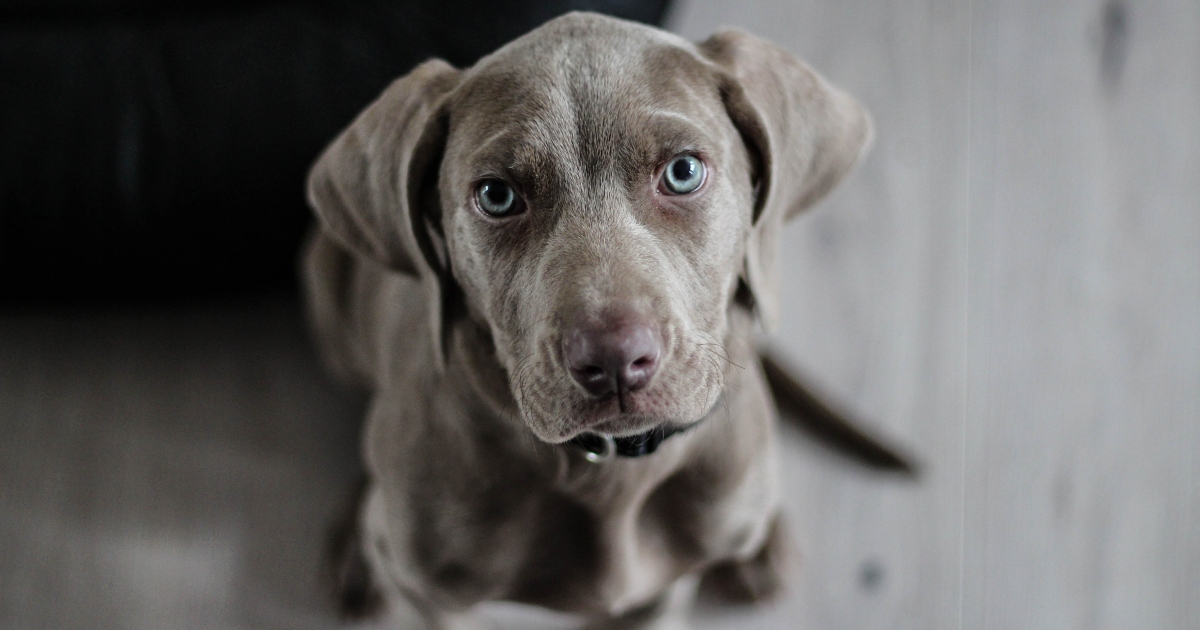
<point>157,148</point>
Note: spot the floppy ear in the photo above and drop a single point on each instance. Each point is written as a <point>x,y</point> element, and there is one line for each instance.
<point>374,187</point>
<point>805,135</point>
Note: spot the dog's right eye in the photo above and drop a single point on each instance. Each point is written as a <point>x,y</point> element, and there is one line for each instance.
<point>683,175</point>
<point>497,198</point>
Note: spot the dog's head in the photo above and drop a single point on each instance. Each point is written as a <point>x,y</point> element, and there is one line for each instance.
<point>597,196</point>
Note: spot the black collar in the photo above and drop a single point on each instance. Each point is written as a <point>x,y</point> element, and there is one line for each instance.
<point>598,447</point>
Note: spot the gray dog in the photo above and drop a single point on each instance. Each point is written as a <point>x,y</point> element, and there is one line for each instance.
<point>547,268</point>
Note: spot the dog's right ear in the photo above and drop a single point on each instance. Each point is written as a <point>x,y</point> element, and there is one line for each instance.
<point>366,187</point>
<point>372,186</point>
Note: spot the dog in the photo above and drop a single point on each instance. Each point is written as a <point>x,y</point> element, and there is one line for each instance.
<point>548,269</point>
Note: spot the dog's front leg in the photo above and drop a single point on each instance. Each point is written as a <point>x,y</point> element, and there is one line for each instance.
<point>409,614</point>
<point>668,612</point>
<point>406,608</point>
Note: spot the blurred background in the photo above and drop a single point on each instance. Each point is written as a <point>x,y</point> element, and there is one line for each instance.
<point>1009,286</point>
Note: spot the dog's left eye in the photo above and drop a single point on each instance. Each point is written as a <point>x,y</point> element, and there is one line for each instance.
<point>497,198</point>
<point>684,174</point>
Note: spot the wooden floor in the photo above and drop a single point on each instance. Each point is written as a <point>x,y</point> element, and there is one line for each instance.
<point>1010,285</point>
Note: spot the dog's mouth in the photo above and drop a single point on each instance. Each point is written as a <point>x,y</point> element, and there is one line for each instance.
<point>624,415</point>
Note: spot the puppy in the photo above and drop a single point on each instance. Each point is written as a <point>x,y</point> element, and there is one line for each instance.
<point>547,268</point>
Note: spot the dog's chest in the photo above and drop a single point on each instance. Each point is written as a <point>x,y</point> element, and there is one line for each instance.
<point>601,538</point>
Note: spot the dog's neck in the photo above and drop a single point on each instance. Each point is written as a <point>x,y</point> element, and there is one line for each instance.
<point>472,353</point>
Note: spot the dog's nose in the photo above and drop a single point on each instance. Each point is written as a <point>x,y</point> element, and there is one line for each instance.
<point>620,354</point>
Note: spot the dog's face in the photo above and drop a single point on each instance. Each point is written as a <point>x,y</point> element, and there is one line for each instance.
<point>596,192</point>
<point>593,224</point>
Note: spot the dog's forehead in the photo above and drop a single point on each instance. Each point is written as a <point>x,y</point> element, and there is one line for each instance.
<point>580,51</point>
<point>583,83</point>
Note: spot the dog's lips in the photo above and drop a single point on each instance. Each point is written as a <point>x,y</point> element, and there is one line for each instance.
<point>624,424</point>
<point>603,417</point>
<point>638,414</point>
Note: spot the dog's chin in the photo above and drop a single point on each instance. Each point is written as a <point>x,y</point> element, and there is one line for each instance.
<point>624,424</point>
<point>618,425</point>
<point>606,417</point>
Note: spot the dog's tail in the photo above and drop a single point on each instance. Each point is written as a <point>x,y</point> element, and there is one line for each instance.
<point>830,426</point>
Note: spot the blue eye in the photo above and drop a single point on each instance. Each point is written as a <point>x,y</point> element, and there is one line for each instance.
<point>683,174</point>
<point>497,198</point>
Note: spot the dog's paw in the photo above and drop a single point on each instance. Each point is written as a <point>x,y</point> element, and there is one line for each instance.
<point>354,591</point>
<point>760,578</point>
<point>356,594</point>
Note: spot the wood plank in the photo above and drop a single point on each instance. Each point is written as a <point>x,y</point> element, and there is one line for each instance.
<point>1084,368</point>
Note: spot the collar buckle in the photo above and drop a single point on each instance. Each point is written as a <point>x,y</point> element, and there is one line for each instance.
<point>597,448</point>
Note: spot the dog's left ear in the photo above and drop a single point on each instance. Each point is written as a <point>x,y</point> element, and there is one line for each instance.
<point>804,134</point>
<point>374,187</point>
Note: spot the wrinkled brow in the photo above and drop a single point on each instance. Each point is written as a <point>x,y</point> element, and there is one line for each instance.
<point>514,156</point>
<point>674,131</point>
